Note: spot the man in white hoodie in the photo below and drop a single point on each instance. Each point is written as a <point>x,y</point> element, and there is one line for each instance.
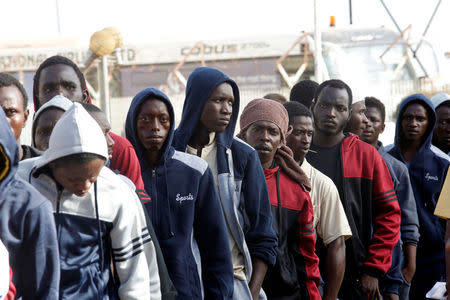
<point>97,219</point>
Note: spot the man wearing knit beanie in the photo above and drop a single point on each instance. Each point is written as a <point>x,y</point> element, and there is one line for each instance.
<point>264,125</point>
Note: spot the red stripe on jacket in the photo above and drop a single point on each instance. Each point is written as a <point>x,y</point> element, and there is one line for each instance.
<point>361,160</point>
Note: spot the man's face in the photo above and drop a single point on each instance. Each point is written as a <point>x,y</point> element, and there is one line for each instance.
<point>414,122</point>
<point>265,137</point>
<point>331,111</point>
<point>103,122</point>
<point>75,177</point>
<point>358,120</point>
<point>374,128</point>
<point>218,108</point>
<point>60,79</point>
<point>44,127</point>
<point>11,100</point>
<point>153,124</point>
<point>301,136</point>
<point>442,129</point>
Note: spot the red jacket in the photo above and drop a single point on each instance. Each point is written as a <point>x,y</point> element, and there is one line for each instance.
<point>368,195</point>
<point>124,160</point>
<point>296,272</point>
<point>12,289</point>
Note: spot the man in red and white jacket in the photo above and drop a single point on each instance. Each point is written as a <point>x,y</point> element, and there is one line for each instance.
<point>264,125</point>
<point>365,188</point>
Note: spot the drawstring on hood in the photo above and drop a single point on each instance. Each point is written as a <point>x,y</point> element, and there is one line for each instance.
<point>131,134</point>
<point>99,232</point>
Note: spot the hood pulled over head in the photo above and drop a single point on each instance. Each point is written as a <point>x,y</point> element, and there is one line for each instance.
<point>130,123</point>
<point>200,85</point>
<point>76,132</point>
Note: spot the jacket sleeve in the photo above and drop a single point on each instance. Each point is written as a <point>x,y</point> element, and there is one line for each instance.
<point>258,230</point>
<point>134,252</point>
<point>306,247</point>
<point>39,267</point>
<point>410,220</point>
<point>211,234</point>
<point>387,221</point>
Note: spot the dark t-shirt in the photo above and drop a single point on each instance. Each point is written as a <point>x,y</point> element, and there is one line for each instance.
<point>327,160</point>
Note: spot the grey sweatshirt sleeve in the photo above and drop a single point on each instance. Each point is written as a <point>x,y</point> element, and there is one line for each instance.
<point>410,220</point>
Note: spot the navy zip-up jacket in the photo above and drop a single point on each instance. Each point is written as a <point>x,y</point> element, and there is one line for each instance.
<point>185,212</point>
<point>409,226</point>
<point>27,227</point>
<point>241,183</point>
<point>427,171</point>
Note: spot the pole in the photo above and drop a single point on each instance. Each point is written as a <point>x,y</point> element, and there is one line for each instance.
<point>317,44</point>
<point>104,87</point>
<point>428,25</point>
<point>350,11</point>
<point>408,45</point>
<point>58,23</point>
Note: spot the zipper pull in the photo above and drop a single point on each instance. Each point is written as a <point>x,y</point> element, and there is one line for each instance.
<point>153,172</point>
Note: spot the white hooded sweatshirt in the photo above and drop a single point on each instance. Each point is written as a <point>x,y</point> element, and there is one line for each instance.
<point>110,205</point>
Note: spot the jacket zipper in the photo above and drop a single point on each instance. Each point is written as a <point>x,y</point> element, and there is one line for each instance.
<point>154,193</point>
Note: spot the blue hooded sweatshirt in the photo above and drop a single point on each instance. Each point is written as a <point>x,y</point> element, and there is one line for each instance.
<point>409,228</point>
<point>185,212</point>
<point>427,171</point>
<point>241,181</point>
<point>27,227</point>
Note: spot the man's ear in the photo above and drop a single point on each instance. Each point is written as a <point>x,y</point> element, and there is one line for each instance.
<point>86,95</point>
<point>313,103</point>
<point>289,131</point>
<point>382,128</point>
<point>25,116</point>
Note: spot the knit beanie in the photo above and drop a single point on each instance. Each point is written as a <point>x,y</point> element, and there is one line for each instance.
<point>265,110</point>
<point>272,111</point>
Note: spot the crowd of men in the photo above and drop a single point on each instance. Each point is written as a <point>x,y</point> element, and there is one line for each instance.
<point>304,202</point>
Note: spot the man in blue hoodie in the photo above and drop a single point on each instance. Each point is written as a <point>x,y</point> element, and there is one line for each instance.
<point>27,227</point>
<point>427,169</point>
<point>184,206</point>
<point>206,129</point>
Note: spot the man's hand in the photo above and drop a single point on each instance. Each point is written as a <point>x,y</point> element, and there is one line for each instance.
<point>408,273</point>
<point>370,286</point>
<point>258,274</point>
<point>410,258</point>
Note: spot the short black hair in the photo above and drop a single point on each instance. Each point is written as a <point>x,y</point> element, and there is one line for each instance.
<point>296,109</point>
<point>276,97</point>
<point>337,84</point>
<point>9,80</point>
<point>55,60</point>
<point>303,92</point>
<point>377,104</point>
<point>79,158</point>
